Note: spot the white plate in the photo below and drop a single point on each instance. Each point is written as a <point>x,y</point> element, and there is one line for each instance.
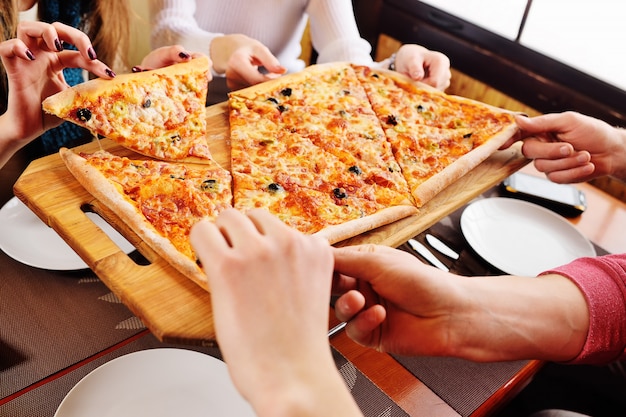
<point>521,238</point>
<point>156,383</point>
<point>27,239</point>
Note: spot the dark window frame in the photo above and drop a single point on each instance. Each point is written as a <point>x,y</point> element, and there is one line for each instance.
<point>532,78</point>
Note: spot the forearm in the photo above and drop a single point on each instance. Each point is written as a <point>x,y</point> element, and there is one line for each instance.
<point>316,389</point>
<point>510,318</point>
<point>11,139</point>
<point>620,158</point>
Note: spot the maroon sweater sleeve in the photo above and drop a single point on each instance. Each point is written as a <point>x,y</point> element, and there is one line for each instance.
<point>603,282</point>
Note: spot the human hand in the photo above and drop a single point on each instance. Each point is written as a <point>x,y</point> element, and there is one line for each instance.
<point>165,56</point>
<point>389,298</point>
<point>571,147</point>
<point>34,63</point>
<point>270,290</point>
<point>421,64</point>
<point>240,58</point>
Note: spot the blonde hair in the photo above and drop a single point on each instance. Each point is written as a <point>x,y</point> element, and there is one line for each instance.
<point>107,25</point>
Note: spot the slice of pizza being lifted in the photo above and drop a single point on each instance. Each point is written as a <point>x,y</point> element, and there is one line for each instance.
<point>159,113</point>
<point>160,201</point>
<point>436,138</point>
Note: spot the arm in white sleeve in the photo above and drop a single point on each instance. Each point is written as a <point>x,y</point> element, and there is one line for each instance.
<point>334,32</point>
<point>174,23</point>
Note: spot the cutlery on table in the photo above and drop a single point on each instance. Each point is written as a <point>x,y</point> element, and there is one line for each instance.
<point>441,247</point>
<point>427,254</point>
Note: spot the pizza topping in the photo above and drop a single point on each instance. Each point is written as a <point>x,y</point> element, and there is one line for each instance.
<point>340,193</point>
<point>286,92</point>
<point>355,170</point>
<point>275,188</point>
<point>210,185</point>
<point>83,115</point>
<point>391,120</point>
<point>146,104</point>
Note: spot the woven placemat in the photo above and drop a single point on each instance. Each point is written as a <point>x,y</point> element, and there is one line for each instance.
<point>44,400</point>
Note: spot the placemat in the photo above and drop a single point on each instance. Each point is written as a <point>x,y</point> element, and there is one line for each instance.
<point>50,320</point>
<point>44,400</point>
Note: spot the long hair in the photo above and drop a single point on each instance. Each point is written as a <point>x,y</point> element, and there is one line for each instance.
<point>107,25</point>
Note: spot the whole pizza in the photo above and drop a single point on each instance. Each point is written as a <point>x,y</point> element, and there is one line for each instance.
<point>336,150</point>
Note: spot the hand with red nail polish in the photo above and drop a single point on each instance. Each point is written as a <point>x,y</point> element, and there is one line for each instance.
<point>34,61</point>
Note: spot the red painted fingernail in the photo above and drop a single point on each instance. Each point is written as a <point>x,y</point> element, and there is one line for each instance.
<point>184,55</point>
<point>109,72</point>
<point>30,55</point>
<point>136,69</point>
<point>92,54</point>
<point>58,45</point>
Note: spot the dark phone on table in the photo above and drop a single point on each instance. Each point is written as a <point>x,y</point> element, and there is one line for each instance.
<point>564,199</point>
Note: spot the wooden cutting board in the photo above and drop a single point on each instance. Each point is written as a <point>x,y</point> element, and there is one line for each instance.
<point>174,308</point>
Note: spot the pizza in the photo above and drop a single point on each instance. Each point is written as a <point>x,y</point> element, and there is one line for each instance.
<point>159,113</point>
<point>160,201</point>
<point>335,150</point>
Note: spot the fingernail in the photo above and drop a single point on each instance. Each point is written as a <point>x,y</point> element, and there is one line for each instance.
<point>109,72</point>
<point>58,45</point>
<point>184,55</point>
<point>136,69</point>
<point>30,55</point>
<point>92,54</point>
<point>582,158</point>
<point>565,150</point>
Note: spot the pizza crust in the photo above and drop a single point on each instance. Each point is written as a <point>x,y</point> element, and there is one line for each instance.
<point>102,189</point>
<point>59,103</point>
<point>427,190</point>
<point>339,232</point>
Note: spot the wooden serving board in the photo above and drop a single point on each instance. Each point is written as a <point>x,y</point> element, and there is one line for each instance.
<point>174,308</point>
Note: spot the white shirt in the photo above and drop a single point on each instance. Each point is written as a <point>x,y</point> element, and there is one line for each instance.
<point>278,24</point>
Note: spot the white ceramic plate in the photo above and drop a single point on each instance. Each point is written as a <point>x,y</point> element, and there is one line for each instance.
<point>27,239</point>
<point>521,238</point>
<point>156,383</point>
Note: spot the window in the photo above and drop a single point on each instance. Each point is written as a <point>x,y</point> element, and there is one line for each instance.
<point>553,55</point>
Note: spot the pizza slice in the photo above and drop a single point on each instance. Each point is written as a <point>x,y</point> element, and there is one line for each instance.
<point>159,113</point>
<point>436,138</point>
<point>159,201</point>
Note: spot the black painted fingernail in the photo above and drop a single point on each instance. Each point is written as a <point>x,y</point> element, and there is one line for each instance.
<point>184,55</point>
<point>109,72</point>
<point>136,69</point>
<point>30,55</point>
<point>58,45</point>
<point>92,54</point>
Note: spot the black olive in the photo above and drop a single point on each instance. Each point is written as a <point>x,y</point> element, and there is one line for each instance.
<point>175,138</point>
<point>420,108</point>
<point>391,119</point>
<point>375,76</point>
<point>346,92</point>
<point>209,185</point>
<point>467,135</point>
<point>83,115</point>
<point>274,188</point>
<point>273,100</point>
<point>340,193</point>
<point>282,108</point>
<point>147,103</point>
<point>355,170</point>
<point>286,92</point>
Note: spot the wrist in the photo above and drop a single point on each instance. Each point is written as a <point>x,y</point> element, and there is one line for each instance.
<point>314,389</point>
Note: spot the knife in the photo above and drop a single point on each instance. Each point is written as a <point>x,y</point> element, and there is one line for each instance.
<point>438,245</point>
<point>428,255</point>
